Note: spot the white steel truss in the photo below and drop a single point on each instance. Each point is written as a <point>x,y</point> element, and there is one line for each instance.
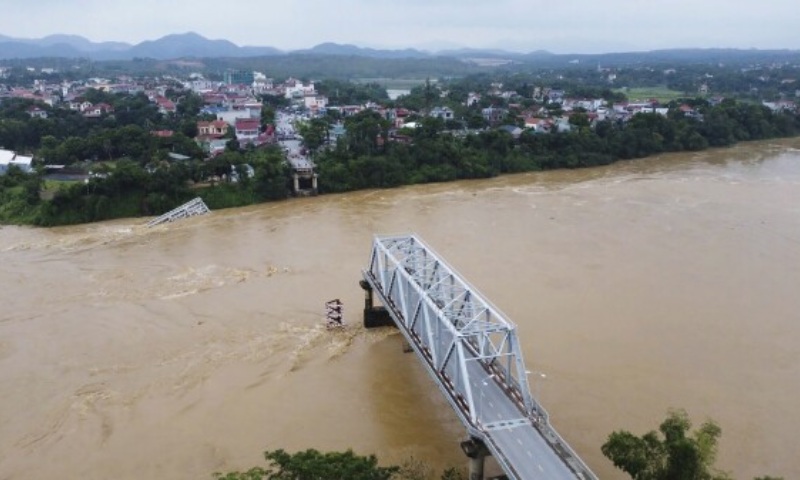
<point>451,322</point>
<point>473,353</point>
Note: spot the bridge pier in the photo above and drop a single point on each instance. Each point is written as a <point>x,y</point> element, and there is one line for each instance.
<point>374,317</point>
<point>477,452</point>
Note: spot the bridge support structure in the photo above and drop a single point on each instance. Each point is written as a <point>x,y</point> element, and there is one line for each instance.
<point>374,317</point>
<point>477,452</point>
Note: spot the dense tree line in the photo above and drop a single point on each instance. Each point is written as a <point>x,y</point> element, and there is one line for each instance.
<point>67,136</point>
<point>131,189</point>
<point>367,158</point>
<point>313,464</point>
<point>350,93</point>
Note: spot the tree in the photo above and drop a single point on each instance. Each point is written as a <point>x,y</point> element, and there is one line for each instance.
<point>312,464</point>
<point>314,133</point>
<point>679,455</point>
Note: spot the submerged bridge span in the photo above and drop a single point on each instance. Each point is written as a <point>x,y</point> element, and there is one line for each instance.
<point>473,355</point>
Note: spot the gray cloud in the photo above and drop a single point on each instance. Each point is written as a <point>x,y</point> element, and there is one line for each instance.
<point>567,26</point>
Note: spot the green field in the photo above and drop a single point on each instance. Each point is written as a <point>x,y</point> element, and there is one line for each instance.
<point>394,83</point>
<point>662,94</point>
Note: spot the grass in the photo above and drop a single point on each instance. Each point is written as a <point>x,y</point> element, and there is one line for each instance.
<point>50,187</point>
<point>662,94</point>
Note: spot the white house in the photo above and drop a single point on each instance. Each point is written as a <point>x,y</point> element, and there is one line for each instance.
<point>9,158</point>
<point>296,89</point>
<point>314,101</point>
<point>444,113</point>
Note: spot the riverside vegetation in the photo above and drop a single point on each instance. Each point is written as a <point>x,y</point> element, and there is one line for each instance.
<point>137,177</point>
<point>676,453</point>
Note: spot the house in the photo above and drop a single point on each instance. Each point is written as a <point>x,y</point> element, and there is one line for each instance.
<point>780,105</point>
<point>253,107</point>
<point>493,114</point>
<point>349,110</point>
<point>216,128</point>
<point>162,133</point>
<point>247,129</point>
<point>97,111</point>
<point>9,158</point>
<point>513,130</point>
<point>556,95</point>
<point>213,146</point>
<point>165,105</point>
<point>294,88</point>
<point>473,99</point>
<point>444,113</point>
<point>37,112</point>
<point>538,125</point>
<point>588,104</point>
<point>313,101</point>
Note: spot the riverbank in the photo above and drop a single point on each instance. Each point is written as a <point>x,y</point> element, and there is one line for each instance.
<point>367,158</point>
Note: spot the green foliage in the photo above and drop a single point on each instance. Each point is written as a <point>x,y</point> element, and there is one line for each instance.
<point>350,93</point>
<point>675,454</point>
<point>312,464</point>
<point>314,132</point>
<point>367,158</point>
<point>130,190</point>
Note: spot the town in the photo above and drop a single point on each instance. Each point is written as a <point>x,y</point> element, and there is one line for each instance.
<point>239,136</point>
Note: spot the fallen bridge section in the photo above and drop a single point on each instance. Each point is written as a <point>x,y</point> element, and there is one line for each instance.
<point>188,209</point>
<point>473,354</point>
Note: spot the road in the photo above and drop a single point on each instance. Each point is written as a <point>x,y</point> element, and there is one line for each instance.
<point>522,444</point>
<point>292,146</point>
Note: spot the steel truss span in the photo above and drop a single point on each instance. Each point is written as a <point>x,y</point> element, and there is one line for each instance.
<point>472,352</point>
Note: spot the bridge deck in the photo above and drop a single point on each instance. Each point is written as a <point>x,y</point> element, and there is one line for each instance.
<point>471,352</point>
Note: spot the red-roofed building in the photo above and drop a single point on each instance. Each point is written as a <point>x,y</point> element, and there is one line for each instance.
<point>247,128</point>
<point>162,133</point>
<point>165,105</point>
<point>217,128</point>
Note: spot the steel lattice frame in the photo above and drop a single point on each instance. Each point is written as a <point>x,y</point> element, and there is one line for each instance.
<point>450,322</point>
<point>464,342</point>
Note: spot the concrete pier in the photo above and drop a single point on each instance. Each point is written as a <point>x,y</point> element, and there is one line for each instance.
<point>477,452</point>
<point>374,317</point>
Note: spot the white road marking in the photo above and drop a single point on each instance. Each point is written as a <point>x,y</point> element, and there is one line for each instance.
<point>540,468</point>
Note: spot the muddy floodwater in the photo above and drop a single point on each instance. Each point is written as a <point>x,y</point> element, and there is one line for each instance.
<point>185,349</point>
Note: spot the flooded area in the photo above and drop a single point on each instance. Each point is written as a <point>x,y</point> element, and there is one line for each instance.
<point>190,348</point>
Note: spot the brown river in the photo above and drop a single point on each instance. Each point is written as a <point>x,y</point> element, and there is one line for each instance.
<point>181,350</point>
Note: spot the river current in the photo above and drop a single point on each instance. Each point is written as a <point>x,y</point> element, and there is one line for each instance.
<point>190,348</point>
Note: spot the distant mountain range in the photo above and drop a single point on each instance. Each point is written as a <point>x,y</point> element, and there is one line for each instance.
<point>192,45</point>
<point>196,46</point>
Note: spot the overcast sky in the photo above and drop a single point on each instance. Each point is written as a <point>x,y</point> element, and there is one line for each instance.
<point>566,26</point>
